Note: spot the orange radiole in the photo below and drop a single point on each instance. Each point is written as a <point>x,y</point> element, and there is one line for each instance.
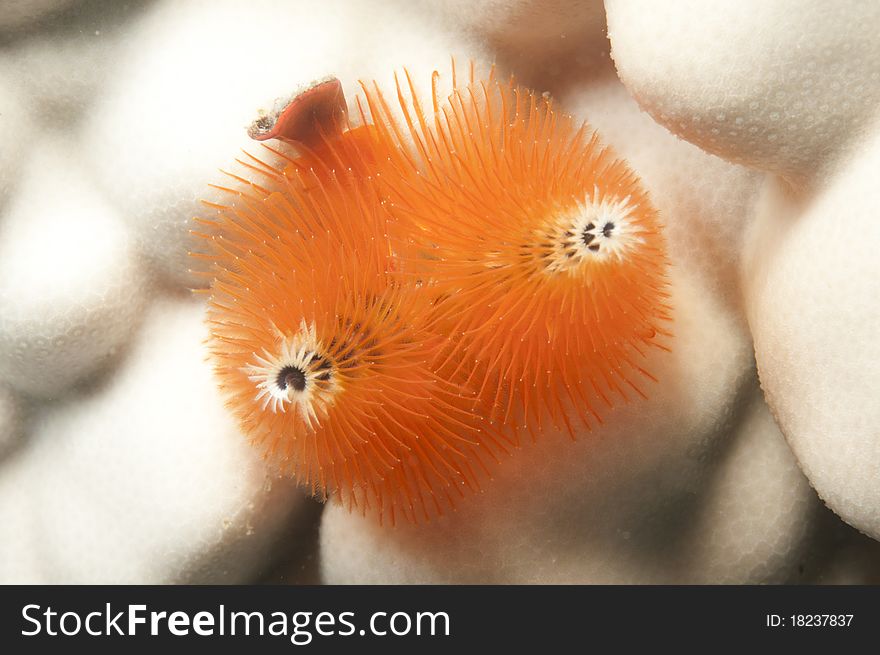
<point>543,248</point>
<point>328,362</point>
<point>394,299</point>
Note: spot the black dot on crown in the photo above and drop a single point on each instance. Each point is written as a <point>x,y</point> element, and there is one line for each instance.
<point>586,236</point>
<point>291,376</point>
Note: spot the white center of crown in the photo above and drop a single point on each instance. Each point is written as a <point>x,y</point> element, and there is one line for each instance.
<point>295,374</point>
<point>597,229</point>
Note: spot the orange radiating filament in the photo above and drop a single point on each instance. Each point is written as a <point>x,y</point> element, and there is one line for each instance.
<point>328,362</point>
<point>543,250</point>
<point>393,301</point>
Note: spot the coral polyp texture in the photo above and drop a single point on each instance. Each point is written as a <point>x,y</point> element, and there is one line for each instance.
<point>121,460</point>
<point>392,301</point>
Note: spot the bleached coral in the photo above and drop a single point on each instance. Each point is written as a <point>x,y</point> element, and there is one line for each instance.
<point>123,465</point>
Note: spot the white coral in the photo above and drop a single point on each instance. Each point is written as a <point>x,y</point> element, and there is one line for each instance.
<point>130,470</point>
